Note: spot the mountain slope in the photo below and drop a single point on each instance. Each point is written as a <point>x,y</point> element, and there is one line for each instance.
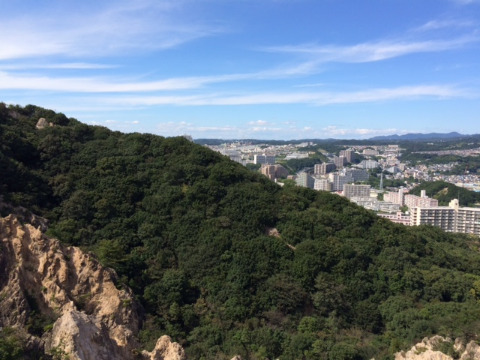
<point>225,261</point>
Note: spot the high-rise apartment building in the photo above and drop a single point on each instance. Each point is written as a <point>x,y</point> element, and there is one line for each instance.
<point>323,169</point>
<point>451,218</point>
<point>348,154</point>
<point>274,171</point>
<point>264,159</point>
<point>395,197</point>
<point>368,164</point>
<point>468,221</point>
<point>338,181</point>
<point>339,161</point>
<point>358,175</point>
<point>423,201</point>
<point>305,180</point>
<point>322,184</point>
<point>352,190</point>
<point>440,216</point>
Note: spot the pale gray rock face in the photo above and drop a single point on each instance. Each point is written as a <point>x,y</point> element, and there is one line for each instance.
<point>428,349</point>
<point>165,349</point>
<point>41,124</point>
<point>89,317</point>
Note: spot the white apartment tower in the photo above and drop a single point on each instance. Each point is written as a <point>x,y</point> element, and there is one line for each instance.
<point>451,218</point>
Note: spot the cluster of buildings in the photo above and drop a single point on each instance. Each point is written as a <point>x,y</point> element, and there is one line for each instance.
<point>451,218</point>
<point>334,181</point>
<point>409,200</point>
<point>245,152</point>
<point>346,175</point>
<point>422,209</point>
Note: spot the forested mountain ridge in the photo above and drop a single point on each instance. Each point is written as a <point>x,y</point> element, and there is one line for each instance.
<point>187,230</point>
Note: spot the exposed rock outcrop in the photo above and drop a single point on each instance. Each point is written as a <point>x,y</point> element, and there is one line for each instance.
<point>42,124</point>
<point>81,312</point>
<point>435,348</point>
<point>165,349</point>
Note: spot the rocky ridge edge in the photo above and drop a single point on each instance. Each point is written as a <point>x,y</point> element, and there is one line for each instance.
<point>84,315</point>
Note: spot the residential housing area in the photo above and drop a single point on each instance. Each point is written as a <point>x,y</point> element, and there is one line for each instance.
<point>348,173</point>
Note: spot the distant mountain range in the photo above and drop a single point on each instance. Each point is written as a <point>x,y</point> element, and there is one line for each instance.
<point>419,136</point>
<point>405,137</point>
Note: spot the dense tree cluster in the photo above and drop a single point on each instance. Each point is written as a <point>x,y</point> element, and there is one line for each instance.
<point>227,262</point>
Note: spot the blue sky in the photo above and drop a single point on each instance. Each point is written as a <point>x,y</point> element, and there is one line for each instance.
<point>265,69</point>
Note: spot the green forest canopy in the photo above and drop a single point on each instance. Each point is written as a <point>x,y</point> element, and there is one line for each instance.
<point>187,229</point>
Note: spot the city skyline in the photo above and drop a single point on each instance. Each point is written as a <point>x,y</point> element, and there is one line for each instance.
<point>272,69</point>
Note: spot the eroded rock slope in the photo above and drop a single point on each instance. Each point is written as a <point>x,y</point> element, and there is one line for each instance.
<point>67,301</point>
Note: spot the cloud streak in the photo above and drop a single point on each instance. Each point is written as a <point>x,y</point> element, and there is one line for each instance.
<point>103,85</point>
<point>434,25</point>
<point>10,81</point>
<point>140,25</point>
<point>312,98</point>
<point>373,51</point>
<point>57,66</point>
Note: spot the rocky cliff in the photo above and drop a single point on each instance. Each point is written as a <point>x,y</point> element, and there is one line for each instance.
<point>440,348</point>
<point>66,304</point>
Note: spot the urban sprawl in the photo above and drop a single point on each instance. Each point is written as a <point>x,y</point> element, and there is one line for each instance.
<point>345,176</point>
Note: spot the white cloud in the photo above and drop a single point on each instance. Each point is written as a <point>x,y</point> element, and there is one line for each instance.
<point>373,51</point>
<point>258,122</point>
<point>111,28</point>
<point>442,24</point>
<point>57,66</point>
<point>31,81</point>
<point>312,98</point>
<point>98,85</point>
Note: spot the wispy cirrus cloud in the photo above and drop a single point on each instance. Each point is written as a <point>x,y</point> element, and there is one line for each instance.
<point>10,81</point>
<point>112,28</point>
<point>56,66</point>
<point>311,98</point>
<point>373,51</point>
<point>446,23</point>
<point>31,81</point>
<point>97,85</point>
